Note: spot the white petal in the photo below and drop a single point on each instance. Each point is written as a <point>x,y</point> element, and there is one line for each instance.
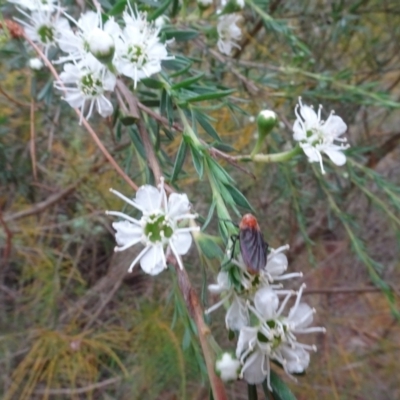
<point>153,262</point>
<point>302,317</point>
<point>178,204</point>
<point>310,117</point>
<point>182,242</point>
<point>104,107</point>
<point>336,156</point>
<point>266,302</point>
<point>237,315</point>
<point>127,232</point>
<point>223,283</point>
<point>246,340</point>
<point>311,152</point>
<point>253,366</point>
<point>277,264</point>
<point>334,125</point>
<point>297,359</point>
<point>148,198</point>
<point>298,131</point>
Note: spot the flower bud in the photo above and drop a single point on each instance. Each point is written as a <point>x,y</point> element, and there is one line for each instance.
<point>231,6</point>
<point>204,4</point>
<point>266,120</point>
<point>35,63</point>
<point>227,367</point>
<point>101,45</point>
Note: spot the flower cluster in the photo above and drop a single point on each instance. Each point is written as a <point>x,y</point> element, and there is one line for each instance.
<point>316,136</point>
<point>95,53</point>
<point>256,306</point>
<point>157,229</point>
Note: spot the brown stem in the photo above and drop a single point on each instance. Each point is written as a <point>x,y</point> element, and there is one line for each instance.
<point>7,247</point>
<point>32,140</point>
<point>84,121</point>
<point>195,310</point>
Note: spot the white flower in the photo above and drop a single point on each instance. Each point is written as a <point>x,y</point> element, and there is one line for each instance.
<point>34,5</point>
<point>317,136</point>
<point>90,37</point>
<point>158,227</point>
<point>237,314</point>
<point>138,50</point>
<point>227,367</point>
<point>273,338</point>
<point>87,82</point>
<point>229,33</point>
<point>44,27</point>
<point>35,63</point>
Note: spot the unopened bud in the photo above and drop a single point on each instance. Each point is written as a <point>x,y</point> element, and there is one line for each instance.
<point>101,45</point>
<point>266,121</point>
<point>231,6</point>
<point>227,367</point>
<point>204,4</point>
<point>35,63</point>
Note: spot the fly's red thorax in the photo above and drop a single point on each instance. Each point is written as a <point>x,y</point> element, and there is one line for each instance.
<point>249,222</point>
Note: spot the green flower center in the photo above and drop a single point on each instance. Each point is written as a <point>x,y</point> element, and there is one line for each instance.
<point>136,54</point>
<point>46,34</point>
<point>158,228</point>
<point>90,85</point>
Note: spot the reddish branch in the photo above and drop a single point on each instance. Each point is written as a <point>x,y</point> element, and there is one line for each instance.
<point>193,304</point>
<point>85,123</point>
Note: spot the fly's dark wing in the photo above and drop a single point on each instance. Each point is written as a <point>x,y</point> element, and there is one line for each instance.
<point>253,249</point>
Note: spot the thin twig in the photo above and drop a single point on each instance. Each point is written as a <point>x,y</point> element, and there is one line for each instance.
<point>12,100</point>
<point>43,205</point>
<point>84,121</point>
<point>195,310</point>
<point>344,290</point>
<point>71,392</point>
<point>32,147</point>
<point>214,152</point>
<point>7,247</point>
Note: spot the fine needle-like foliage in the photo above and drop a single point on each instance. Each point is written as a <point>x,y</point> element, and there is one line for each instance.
<point>199,199</point>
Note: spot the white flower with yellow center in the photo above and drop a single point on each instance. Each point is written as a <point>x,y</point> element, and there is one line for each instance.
<point>316,136</point>
<point>90,37</point>
<point>157,229</point>
<point>87,83</point>
<point>44,27</point>
<point>237,314</point>
<point>273,338</point>
<point>139,51</point>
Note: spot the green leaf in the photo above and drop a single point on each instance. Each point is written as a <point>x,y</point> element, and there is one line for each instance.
<point>118,8</point>
<point>209,248</point>
<point>179,160</point>
<point>211,96</point>
<point>152,83</point>
<point>48,87</point>
<point>208,128</point>
<point>209,216</point>
<point>179,35</point>
<point>187,82</point>
<point>223,147</point>
<point>252,392</point>
<point>280,389</point>
<point>137,142</point>
<point>197,158</point>
<point>238,198</point>
<point>160,10</point>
